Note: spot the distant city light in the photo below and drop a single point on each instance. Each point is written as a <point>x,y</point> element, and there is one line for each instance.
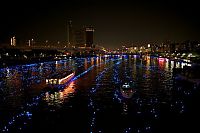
<point>13,41</point>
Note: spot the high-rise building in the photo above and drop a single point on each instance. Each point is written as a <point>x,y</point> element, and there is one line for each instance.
<point>80,38</point>
<point>89,36</point>
<point>84,37</point>
<point>70,38</point>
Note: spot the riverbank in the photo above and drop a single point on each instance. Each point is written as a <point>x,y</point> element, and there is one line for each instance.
<point>21,61</point>
<point>12,62</point>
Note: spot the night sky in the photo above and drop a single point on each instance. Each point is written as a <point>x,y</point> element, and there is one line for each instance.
<point>115,22</point>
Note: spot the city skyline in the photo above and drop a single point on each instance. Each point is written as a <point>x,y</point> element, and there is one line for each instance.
<point>115,23</point>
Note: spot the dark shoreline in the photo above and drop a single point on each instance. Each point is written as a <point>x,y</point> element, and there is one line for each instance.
<point>12,62</point>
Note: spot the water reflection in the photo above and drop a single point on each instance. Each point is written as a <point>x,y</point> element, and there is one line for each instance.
<point>100,98</point>
<point>85,63</point>
<point>21,83</point>
<point>58,98</point>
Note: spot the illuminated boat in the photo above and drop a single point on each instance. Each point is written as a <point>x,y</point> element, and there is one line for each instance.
<point>60,79</point>
<point>127,89</point>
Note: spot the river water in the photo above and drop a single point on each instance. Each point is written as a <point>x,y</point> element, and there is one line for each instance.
<point>92,102</point>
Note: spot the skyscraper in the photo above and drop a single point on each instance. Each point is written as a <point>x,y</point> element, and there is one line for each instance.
<point>70,39</point>
<point>84,37</point>
<point>89,36</point>
<point>79,35</point>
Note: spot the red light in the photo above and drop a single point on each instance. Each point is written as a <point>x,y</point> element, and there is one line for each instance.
<point>161,59</point>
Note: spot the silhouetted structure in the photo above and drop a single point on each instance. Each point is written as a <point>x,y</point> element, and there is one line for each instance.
<point>79,38</point>
<point>84,37</point>
<point>70,38</point>
<point>89,36</point>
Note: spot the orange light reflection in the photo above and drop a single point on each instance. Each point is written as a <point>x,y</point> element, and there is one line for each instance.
<point>69,89</point>
<point>58,98</point>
